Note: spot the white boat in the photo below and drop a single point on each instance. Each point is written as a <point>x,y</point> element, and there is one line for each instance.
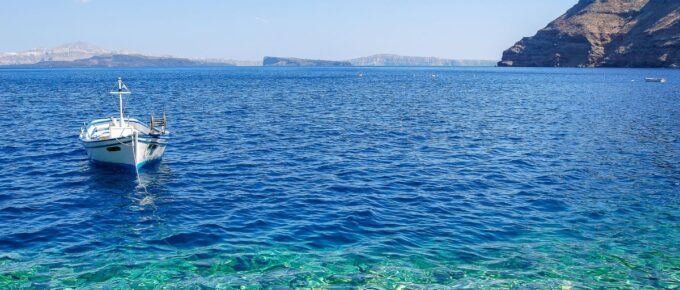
<point>125,141</point>
<point>655,80</point>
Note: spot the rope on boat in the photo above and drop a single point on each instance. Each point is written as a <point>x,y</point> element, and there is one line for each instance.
<point>134,158</point>
<point>123,144</point>
<point>133,144</point>
<point>134,154</point>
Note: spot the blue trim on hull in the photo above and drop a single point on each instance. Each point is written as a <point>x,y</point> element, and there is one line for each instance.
<point>87,145</point>
<point>107,145</point>
<point>148,163</point>
<point>163,138</point>
<point>153,142</point>
<point>108,120</point>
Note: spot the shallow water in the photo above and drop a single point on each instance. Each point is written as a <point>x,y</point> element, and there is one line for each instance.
<point>315,177</point>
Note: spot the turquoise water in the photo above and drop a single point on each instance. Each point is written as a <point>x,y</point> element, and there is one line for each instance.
<point>317,178</point>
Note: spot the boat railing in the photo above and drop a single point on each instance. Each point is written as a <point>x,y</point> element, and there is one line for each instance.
<point>158,125</point>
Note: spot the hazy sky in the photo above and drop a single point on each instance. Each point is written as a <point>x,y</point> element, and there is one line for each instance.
<point>326,29</point>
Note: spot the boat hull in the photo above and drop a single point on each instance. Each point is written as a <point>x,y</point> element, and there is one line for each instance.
<point>655,80</point>
<point>127,151</point>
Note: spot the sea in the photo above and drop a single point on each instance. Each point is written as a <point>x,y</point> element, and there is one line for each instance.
<point>346,178</point>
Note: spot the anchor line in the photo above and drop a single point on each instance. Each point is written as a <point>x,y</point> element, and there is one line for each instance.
<point>134,158</point>
<point>134,153</point>
<point>133,144</point>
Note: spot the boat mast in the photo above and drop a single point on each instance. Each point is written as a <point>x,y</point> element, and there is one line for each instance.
<point>122,89</point>
<point>120,100</point>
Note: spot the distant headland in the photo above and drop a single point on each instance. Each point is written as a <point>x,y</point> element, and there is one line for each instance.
<point>605,33</point>
<point>377,60</point>
<point>83,55</point>
<point>292,61</point>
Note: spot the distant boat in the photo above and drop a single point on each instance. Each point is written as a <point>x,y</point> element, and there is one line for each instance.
<point>655,80</point>
<point>125,141</point>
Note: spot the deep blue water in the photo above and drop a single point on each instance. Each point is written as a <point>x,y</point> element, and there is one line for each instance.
<point>315,177</point>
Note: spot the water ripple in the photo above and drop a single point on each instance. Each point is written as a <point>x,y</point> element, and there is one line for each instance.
<point>314,178</point>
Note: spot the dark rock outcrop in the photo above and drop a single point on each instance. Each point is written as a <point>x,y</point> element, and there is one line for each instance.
<point>291,61</point>
<point>605,33</point>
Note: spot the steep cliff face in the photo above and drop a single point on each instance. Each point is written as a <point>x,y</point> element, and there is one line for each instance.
<point>611,33</point>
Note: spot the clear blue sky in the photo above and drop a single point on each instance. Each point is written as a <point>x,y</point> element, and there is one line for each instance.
<point>326,29</point>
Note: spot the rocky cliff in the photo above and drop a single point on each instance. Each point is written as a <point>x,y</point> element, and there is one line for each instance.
<point>605,33</point>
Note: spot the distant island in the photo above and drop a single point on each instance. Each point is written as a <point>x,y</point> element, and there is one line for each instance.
<point>292,61</point>
<point>119,60</point>
<point>400,60</point>
<point>605,33</point>
<point>376,60</point>
<point>84,55</point>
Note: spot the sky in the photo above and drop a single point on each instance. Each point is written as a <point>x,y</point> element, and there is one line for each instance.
<point>249,30</point>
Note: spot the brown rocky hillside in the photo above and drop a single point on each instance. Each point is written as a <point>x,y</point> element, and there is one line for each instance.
<point>605,33</point>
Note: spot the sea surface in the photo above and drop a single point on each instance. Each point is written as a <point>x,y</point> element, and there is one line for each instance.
<point>403,178</point>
